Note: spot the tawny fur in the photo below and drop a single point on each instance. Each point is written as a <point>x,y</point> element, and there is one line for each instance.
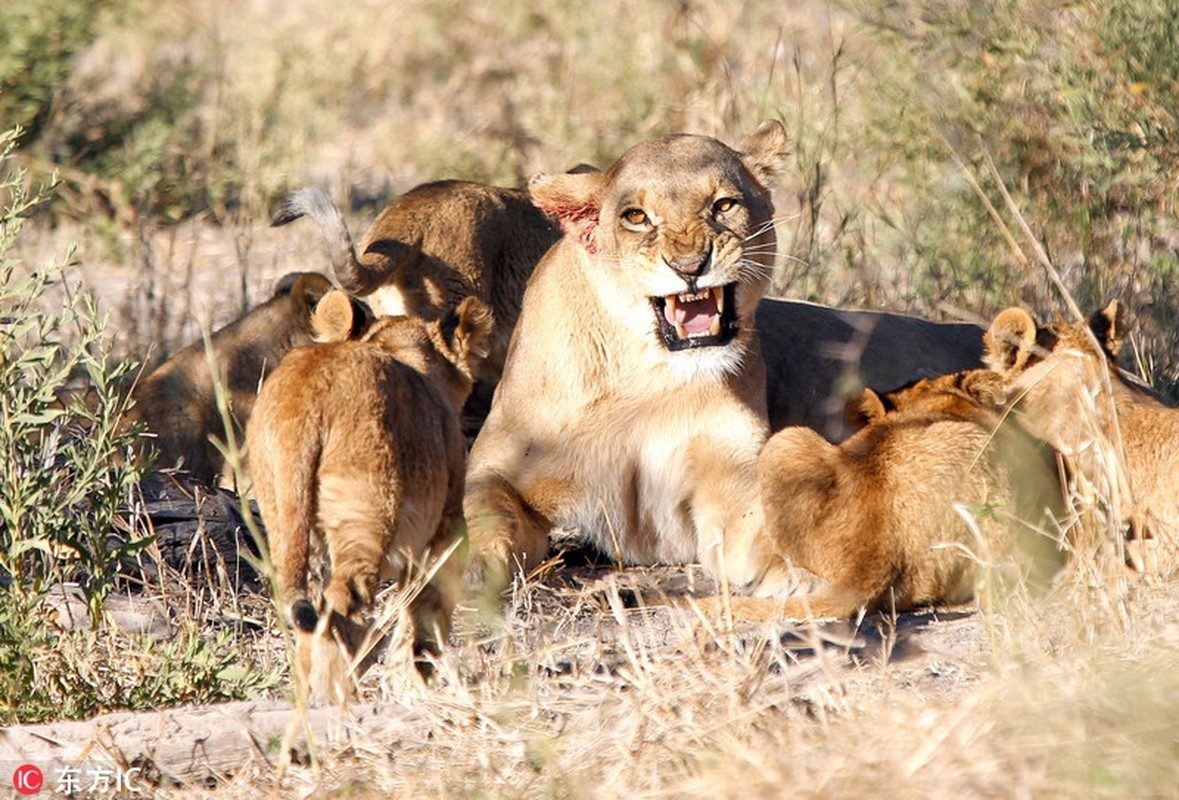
<point>443,241</point>
<point>177,402</point>
<point>339,317</point>
<point>880,515</point>
<point>433,246</point>
<point>1120,441</point>
<point>355,447</point>
<point>598,424</point>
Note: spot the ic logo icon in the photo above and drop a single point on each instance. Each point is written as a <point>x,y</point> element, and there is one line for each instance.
<point>28,779</point>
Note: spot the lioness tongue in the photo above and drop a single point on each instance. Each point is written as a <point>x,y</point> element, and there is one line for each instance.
<point>694,314</point>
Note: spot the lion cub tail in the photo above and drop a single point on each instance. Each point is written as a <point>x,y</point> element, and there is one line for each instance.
<point>316,203</point>
<point>303,616</point>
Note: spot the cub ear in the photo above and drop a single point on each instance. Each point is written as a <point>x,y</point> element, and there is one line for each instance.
<point>335,317</point>
<point>863,411</point>
<point>1109,325</point>
<point>573,199</point>
<point>310,285</point>
<point>985,387</point>
<point>1008,344</point>
<point>764,151</point>
<point>307,289</point>
<point>470,331</point>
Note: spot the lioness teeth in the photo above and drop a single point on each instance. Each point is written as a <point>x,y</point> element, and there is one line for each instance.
<point>695,314</point>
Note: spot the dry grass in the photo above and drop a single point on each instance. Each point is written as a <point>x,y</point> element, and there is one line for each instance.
<point>878,209</point>
<point>588,687</point>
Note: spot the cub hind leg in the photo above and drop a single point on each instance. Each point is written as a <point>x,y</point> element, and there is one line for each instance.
<point>355,529</point>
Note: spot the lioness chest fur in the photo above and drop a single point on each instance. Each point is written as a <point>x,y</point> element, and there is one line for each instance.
<point>355,447</point>
<point>632,403</point>
<point>902,513</point>
<point>1121,443</point>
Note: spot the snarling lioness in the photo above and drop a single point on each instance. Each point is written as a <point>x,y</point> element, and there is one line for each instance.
<point>1121,443</point>
<point>632,404</point>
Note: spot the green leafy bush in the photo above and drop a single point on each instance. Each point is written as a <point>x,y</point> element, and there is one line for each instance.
<point>64,478</point>
<point>936,108</point>
<point>67,507</point>
<point>38,40</point>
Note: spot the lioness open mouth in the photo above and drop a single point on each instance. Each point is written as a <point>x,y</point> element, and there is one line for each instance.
<point>707,318</point>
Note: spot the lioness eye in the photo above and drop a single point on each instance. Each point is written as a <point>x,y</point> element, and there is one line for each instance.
<point>635,216</point>
<point>724,205</point>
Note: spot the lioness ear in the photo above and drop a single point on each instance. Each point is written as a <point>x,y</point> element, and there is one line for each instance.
<point>334,318</point>
<point>764,151</point>
<point>1008,344</point>
<point>572,198</point>
<point>1108,325</point>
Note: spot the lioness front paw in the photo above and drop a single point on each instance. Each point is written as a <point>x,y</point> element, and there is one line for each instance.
<point>783,579</point>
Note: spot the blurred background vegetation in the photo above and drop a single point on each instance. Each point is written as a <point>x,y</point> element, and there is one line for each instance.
<point>159,114</point>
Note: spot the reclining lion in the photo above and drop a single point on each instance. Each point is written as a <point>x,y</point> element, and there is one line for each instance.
<point>1121,443</point>
<point>632,403</point>
<point>432,247</point>
<point>442,241</point>
<point>903,513</point>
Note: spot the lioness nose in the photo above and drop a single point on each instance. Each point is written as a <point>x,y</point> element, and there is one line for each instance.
<point>692,265</point>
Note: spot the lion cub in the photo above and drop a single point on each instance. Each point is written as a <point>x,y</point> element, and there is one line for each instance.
<point>902,513</point>
<point>1121,444</point>
<point>355,445</point>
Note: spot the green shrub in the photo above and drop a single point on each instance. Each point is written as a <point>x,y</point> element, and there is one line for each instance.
<point>64,481</point>
<point>67,500</point>
<point>1075,106</point>
<point>80,673</point>
<point>62,488</point>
